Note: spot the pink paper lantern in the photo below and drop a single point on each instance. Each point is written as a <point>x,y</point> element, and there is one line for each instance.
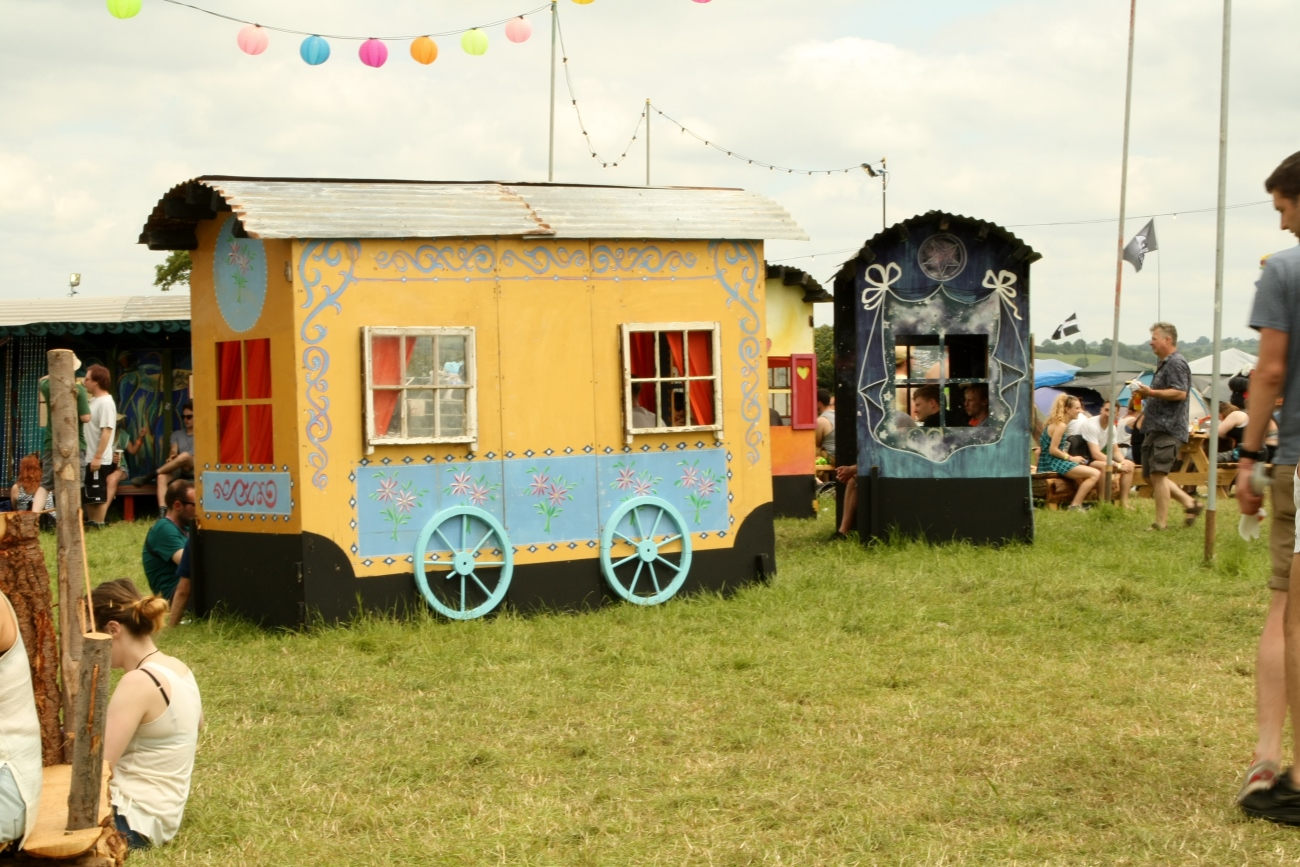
<point>253,39</point>
<point>519,29</point>
<point>373,53</point>
<point>701,1</point>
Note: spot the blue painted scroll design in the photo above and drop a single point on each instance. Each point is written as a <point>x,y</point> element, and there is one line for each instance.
<point>649,258</point>
<point>539,260</point>
<point>430,257</point>
<point>743,290</point>
<point>989,313</point>
<point>249,493</point>
<point>317,257</point>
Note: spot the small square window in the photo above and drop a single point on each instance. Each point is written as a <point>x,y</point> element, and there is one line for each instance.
<point>420,385</point>
<point>932,373</point>
<point>670,379</point>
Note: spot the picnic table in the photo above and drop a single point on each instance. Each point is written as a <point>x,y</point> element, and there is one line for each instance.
<point>1192,469</point>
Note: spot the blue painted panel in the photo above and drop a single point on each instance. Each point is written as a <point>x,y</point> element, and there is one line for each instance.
<point>693,482</point>
<point>551,500</point>
<point>247,493</point>
<point>393,505</point>
<point>238,277</point>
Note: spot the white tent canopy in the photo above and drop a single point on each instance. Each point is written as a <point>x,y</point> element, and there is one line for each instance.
<point>1231,361</point>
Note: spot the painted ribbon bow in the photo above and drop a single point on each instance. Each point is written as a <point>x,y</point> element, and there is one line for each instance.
<point>1004,284</point>
<point>879,283</point>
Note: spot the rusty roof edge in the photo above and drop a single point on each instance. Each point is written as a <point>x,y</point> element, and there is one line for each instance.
<point>545,227</point>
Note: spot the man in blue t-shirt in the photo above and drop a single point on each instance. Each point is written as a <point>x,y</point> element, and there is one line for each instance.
<point>1266,792</point>
<point>165,541</point>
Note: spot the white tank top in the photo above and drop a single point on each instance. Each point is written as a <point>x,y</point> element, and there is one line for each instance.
<point>151,782</point>
<point>20,729</point>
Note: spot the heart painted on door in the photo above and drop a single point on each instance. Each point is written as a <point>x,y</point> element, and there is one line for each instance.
<point>803,372</point>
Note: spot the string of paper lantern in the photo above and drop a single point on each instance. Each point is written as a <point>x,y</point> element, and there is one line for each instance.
<point>254,38</point>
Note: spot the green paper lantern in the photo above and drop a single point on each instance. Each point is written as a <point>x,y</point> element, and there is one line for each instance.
<point>124,8</point>
<point>474,42</point>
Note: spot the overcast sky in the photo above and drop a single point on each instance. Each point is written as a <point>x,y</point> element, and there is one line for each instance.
<point>1007,111</point>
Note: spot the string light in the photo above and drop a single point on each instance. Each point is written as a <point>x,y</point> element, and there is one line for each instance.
<point>573,100</point>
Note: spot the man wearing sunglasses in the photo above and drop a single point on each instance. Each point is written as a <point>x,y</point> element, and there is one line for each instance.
<point>180,461</point>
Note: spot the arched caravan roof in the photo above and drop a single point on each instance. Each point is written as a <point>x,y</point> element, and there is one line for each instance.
<point>898,231</point>
<point>344,208</point>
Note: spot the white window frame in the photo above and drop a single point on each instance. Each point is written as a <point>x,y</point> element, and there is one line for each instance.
<point>627,329</point>
<point>470,388</point>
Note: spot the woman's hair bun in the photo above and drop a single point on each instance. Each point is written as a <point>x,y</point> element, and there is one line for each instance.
<point>152,610</point>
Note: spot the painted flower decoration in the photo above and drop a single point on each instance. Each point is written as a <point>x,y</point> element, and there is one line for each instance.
<point>643,488</point>
<point>479,494</point>
<point>690,478</point>
<point>460,484</point>
<point>626,478</point>
<point>387,490</point>
<point>406,502</point>
<point>539,485</point>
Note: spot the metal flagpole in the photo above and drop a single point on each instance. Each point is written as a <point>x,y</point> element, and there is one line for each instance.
<point>1119,264</point>
<point>550,154</point>
<point>884,195</point>
<point>1160,317</point>
<point>647,141</point>
<point>1213,480</point>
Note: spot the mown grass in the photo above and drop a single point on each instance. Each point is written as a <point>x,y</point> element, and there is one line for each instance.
<point>1084,700</point>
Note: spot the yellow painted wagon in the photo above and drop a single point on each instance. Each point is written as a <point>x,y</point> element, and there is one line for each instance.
<point>480,393</point>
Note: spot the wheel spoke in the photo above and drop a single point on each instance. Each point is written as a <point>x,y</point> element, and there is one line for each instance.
<point>625,538</point>
<point>624,560</point>
<point>654,577</point>
<point>669,540</point>
<point>476,548</point>
<point>445,540</point>
<point>464,528</point>
<point>671,566</point>
<point>636,518</point>
<point>636,577</point>
<point>486,592</point>
<point>658,517</point>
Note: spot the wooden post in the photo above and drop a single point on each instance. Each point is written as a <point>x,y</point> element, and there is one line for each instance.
<point>87,725</point>
<point>65,427</point>
<point>24,579</point>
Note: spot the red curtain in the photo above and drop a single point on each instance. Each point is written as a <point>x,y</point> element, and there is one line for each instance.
<point>386,369</point>
<point>230,430</point>
<point>641,345</point>
<point>230,379</point>
<point>700,348</point>
<point>261,434</point>
<point>257,368</point>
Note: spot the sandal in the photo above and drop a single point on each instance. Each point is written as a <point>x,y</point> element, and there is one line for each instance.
<point>1191,514</point>
<point>1155,528</point>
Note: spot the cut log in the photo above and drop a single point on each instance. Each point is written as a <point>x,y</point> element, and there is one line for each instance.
<point>87,729</point>
<point>25,580</point>
<point>100,846</point>
<point>66,446</point>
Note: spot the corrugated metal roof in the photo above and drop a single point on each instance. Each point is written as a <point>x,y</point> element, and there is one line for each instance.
<point>1025,252</point>
<point>88,308</point>
<point>323,208</point>
<point>813,292</point>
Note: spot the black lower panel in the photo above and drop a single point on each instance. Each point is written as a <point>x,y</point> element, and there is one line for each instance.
<point>941,510</point>
<point>285,580</point>
<point>793,496</point>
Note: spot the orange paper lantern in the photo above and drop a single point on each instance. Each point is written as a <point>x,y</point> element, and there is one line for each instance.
<point>424,50</point>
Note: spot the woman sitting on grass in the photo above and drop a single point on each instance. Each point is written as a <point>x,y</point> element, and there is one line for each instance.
<point>1054,459</point>
<point>153,720</point>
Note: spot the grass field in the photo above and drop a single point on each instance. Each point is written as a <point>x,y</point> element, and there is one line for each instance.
<point>1084,700</point>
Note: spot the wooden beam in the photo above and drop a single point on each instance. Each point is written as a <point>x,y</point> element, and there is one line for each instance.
<point>87,724</point>
<point>65,428</point>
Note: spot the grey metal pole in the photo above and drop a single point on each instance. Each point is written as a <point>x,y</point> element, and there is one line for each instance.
<point>1119,259</point>
<point>647,141</point>
<point>884,195</point>
<point>1213,480</point>
<point>550,154</point>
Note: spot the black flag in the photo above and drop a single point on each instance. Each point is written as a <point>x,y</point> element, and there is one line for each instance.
<point>1143,242</point>
<point>1066,328</point>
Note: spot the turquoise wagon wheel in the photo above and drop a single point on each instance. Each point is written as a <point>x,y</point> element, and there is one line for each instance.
<point>463,562</point>
<point>645,551</point>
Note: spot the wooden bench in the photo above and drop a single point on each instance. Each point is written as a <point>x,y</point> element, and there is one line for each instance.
<point>1054,489</point>
<point>128,493</point>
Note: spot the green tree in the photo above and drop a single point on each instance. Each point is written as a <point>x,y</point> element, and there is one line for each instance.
<point>824,346</point>
<point>175,270</point>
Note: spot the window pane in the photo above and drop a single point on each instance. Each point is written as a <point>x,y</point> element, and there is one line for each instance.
<point>385,360</point>
<point>388,418</point>
<point>451,361</point>
<point>230,374</point>
<point>419,413</point>
<point>230,431</point>
<point>419,361</point>
<point>778,377</point>
<point>641,347</point>
<point>700,353</point>
<point>781,403</point>
<point>261,434</point>
<point>451,412</point>
<point>968,356</point>
<point>257,364</point>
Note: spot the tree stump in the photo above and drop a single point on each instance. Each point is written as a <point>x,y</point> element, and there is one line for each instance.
<point>25,580</point>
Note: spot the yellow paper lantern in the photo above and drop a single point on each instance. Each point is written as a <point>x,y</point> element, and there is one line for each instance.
<point>474,42</point>
<point>123,8</point>
<point>582,2</point>
<point>424,50</point>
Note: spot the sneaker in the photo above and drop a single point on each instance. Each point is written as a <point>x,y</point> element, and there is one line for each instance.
<point>1259,776</point>
<point>1279,803</point>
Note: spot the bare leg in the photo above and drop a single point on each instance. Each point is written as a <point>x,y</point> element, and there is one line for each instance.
<point>1125,482</point>
<point>1270,681</point>
<point>162,489</point>
<point>850,506</point>
<point>1291,637</point>
<point>1086,478</point>
<point>1179,494</point>
<point>113,481</point>
<point>1160,486</point>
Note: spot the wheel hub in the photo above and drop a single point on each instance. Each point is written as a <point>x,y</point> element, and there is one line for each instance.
<point>462,562</point>
<point>647,550</point>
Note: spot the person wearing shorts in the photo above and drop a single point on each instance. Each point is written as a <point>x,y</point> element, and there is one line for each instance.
<point>1266,792</point>
<point>1164,424</point>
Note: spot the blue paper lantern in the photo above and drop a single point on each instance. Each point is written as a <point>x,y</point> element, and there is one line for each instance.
<point>314,50</point>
